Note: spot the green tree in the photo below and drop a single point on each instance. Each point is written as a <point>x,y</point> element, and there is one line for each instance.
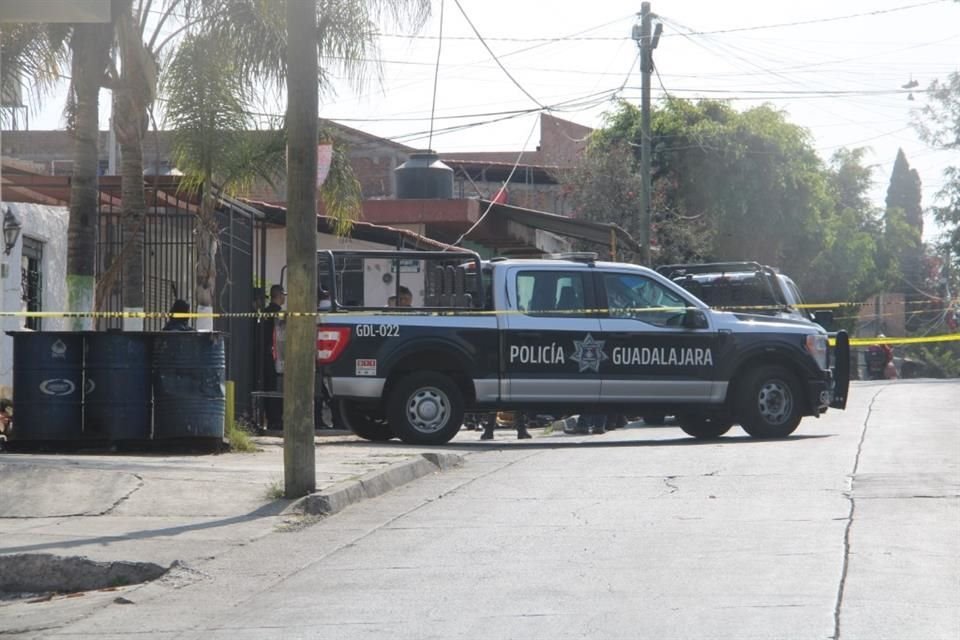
<point>213,142</point>
<point>605,186</point>
<point>939,125</point>
<point>849,183</point>
<point>846,267</point>
<point>751,179</point>
<point>903,226</point>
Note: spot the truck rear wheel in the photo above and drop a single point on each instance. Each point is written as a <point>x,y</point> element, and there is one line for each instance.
<point>425,407</point>
<point>703,426</point>
<point>367,422</point>
<point>768,403</point>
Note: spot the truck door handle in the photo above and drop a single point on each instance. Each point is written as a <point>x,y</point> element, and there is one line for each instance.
<point>622,335</point>
<point>533,334</point>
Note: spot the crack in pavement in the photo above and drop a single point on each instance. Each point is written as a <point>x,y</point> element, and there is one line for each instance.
<point>86,514</point>
<point>667,481</point>
<point>123,498</point>
<point>850,519</point>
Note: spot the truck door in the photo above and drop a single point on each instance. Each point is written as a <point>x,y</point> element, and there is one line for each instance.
<point>550,347</point>
<point>653,357</point>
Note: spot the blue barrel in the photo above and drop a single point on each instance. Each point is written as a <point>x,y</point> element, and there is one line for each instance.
<point>47,385</point>
<point>189,369</point>
<point>117,385</point>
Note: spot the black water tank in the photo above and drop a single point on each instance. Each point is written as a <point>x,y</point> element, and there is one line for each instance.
<point>424,176</point>
<point>47,385</point>
<point>188,385</point>
<point>117,399</point>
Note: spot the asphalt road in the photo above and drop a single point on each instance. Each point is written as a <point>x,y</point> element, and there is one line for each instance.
<point>848,530</point>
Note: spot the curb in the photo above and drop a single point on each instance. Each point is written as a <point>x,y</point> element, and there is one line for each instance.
<point>373,484</point>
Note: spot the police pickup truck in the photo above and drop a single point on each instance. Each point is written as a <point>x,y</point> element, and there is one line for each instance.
<point>745,286</point>
<point>559,336</point>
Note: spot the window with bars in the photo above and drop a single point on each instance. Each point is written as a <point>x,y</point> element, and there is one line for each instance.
<point>31,279</point>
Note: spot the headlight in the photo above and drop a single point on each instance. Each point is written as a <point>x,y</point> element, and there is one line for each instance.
<point>817,347</point>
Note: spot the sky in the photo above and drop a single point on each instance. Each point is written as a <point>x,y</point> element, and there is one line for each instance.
<point>836,68</point>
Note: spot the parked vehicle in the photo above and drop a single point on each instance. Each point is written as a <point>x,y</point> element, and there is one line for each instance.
<point>527,336</point>
<point>745,287</point>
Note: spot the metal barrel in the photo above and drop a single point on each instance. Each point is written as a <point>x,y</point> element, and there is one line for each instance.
<point>188,385</point>
<point>117,386</point>
<point>48,386</point>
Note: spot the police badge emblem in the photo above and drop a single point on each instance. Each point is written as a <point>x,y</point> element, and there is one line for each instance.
<point>588,354</point>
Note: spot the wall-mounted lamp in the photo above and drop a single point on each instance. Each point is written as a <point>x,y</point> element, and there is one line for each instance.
<point>11,231</point>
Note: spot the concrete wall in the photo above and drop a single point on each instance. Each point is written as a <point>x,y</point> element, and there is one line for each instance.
<point>49,226</point>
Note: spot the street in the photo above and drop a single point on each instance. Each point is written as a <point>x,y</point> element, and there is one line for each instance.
<point>846,530</point>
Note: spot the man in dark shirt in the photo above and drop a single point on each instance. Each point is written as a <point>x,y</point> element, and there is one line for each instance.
<point>273,407</point>
<point>178,324</point>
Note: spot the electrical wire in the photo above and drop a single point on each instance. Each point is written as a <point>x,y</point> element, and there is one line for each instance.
<point>818,20</point>
<point>436,78</point>
<point>499,191</point>
<point>494,56</point>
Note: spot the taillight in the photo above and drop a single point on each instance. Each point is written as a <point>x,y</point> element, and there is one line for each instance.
<point>331,341</point>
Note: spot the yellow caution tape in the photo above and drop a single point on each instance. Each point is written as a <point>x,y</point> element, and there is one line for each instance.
<point>865,342</point>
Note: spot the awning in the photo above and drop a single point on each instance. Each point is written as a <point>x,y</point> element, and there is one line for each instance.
<point>606,234</point>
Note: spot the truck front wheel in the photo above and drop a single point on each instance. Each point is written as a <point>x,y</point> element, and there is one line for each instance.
<point>425,407</point>
<point>366,422</point>
<point>768,403</point>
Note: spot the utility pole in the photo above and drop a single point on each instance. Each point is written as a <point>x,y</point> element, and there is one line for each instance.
<point>647,41</point>
<point>299,456</point>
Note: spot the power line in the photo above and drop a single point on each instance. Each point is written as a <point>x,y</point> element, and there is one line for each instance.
<point>436,78</point>
<point>502,187</point>
<point>494,56</point>
<point>414,36</point>
<point>816,20</point>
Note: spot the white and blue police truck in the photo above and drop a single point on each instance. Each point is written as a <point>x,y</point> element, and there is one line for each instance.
<point>562,335</point>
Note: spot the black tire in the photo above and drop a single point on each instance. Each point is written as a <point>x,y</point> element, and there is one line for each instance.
<point>425,407</point>
<point>704,427</point>
<point>654,418</point>
<point>368,423</point>
<point>768,403</point>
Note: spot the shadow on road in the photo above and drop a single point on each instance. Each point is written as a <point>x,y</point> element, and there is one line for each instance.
<point>270,509</point>
<point>595,442</point>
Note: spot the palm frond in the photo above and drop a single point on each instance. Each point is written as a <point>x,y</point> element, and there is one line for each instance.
<point>35,57</point>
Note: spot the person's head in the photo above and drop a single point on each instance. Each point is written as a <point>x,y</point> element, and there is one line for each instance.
<point>392,301</point>
<point>180,306</point>
<point>277,294</point>
<point>405,297</point>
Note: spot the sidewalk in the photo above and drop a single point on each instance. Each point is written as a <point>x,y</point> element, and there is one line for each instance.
<point>183,509</point>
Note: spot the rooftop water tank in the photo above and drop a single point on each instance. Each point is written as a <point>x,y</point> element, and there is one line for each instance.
<point>424,176</point>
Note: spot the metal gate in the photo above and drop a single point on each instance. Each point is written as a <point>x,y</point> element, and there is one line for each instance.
<point>168,255</point>
<point>169,265</point>
<point>236,283</point>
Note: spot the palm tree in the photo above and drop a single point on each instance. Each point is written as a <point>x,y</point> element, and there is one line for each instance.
<point>250,35</point>
<point>43,52</point>
<point>212,142</point>
<point>90,45</point>
<point>236,48</point>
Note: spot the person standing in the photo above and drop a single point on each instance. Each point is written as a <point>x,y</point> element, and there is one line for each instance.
<point>324,305</point>
<point>273,407</point>
<point>519,421</point>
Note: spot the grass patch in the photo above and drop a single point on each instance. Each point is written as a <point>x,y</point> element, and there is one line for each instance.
<point>275,490</point>
<point>239,439</point>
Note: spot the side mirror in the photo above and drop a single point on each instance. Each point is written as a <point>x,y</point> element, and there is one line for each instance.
<point>824,319</point>
<point>695,319</point>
